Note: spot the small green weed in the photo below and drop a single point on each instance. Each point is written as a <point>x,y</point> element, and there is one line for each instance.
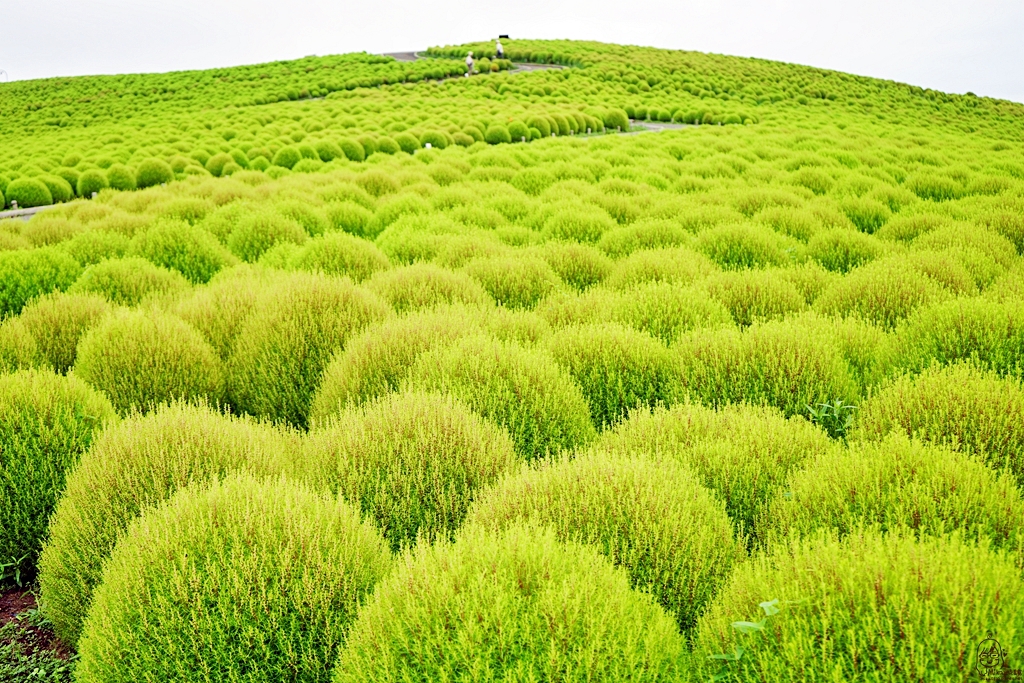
<point>835,417</point>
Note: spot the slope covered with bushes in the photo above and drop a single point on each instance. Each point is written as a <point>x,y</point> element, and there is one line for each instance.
<point>571,399</point>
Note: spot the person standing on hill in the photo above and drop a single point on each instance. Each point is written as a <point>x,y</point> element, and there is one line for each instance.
<point>499,50</point>
<point>469,65</point>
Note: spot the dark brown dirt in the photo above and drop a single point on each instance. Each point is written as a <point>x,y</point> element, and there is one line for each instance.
<point>17,601</point>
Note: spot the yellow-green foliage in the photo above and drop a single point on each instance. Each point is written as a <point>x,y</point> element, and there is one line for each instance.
<point>755,295</point>
<point>128,281</point>
<point>578,265</point>
<point>514,282</point>
<point>959,406</point>
<point>190,250</point>
<point>988,333</point>
<point>57,322</point>
<point>868,607</point>
<point>18,348</point>
<point>376,361</point>
<point>143,358</point>
<point>424,285</point>
<point>25,274</point>
<point>412,462</point>
<point>617,368</point>
<point>255,580</point>
<point>284,344</point>
<point>900,485</point>
<point>741,453</point>
<point>46,423</point>
<point>786,364</point>
<point>666,311</point>
<point>677,265</point>
<point>523,390</point>
<point>130,468</point>
<point>653,518</point>
<point>519,605</point>
<point>338,253</point>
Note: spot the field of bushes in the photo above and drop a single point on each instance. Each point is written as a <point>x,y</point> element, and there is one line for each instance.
<point>346,369</point>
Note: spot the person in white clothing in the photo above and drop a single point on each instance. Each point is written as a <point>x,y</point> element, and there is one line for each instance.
<point>469,65</point>
<point>499,50</point>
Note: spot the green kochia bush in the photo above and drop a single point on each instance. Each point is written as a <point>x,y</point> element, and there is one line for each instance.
<point>28,274</point>
<point>519,606</point>
<point>521,389</point>
<point>899,484</point>
<point>128,281</point>
<point>424,285</point>
<point>514,281</point>
<point>961,407</point>
<point>120,177</point>
<point>679,265</point>
<point>666,311</point>
<point>617,368</point>
<point>57,323</point>
<point>339,253</point>
<point>742,453</point>
<point>249,580</point>
<point>257,232</point>
<point>153,172</point>
<point>190,250</point>
<point>91,180</point>
<point>287,340</point>
<point>18,349</point>
<point>131,467</point>
<point>46,423</point>
<point>141,359</point>
<point>652,518</point>
<point>988,333</point>
<point>28,192</point>
<point>785,364</point>
<point>412,462</point>
<point>867,608</point>
<point>377,361</point>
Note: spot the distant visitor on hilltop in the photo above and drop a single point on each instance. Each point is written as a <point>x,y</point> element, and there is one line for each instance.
<point>499,51</point>
<point>469,64</point>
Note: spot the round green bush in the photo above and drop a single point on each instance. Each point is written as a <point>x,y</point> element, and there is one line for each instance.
<point>990,334</point>
<point>666,311</point>
<point>91,180</point>
<point>899,484</point>
<point>328,151</point>
<point>882,292</point>
<point>406,142</point>
<point>70,176</point>
<point>754,295</point>
<point>961,407</point>
<point>412,462</point>
<point>519,606</point>
<point>678,266</point>
<point>787,364</point>
<point>352,150</point>
<point>742,453</point>
<point>287,157</point>
<point>285,343</point>
<point>151,172</point>
<point>140,360</point>
<point>350,217</point>
<point>57,323</point>
<point>869,607</point>
<point>60,189</point>
<point>742,246</point>
<point>521,389</point>
<point>28,192</point>
<point>578,265</point>
<point>496,134</point>
<point>616,118</point>
<point>287,566</point>
<point>257,232</point>
<point>518,281</point>
<point>18,349</point>
<point>842,250</point>
<point>867,214</point>
<point>653,518</point>
<point>578,223</point>
<point>617,368</point>
<point>188,249</point>
<point>3,200</point>
<point>128,281</point>
<point>27,274</point>
<point>46,423</point>
<point>120,177</point>
<point>376,361</point>
<point>339,253</point>
<point>215,164</point>
<point>388,145</point>
<point>645,234</point>
<point>424,285</point>
<point>133,466</point>
<point>518,131</point>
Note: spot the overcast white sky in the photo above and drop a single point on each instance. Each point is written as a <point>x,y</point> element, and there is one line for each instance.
<point>951,45</point>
